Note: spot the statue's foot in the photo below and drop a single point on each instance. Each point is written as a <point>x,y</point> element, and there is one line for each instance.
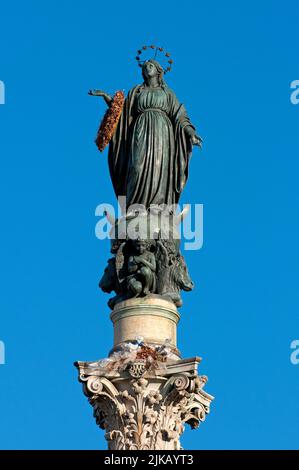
<point>174,297</point>
<point>114,300</point>
<point>135,287</point>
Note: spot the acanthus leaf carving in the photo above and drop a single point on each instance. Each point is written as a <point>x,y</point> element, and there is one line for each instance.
<point>142,413</point>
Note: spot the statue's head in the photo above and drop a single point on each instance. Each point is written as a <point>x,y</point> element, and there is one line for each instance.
<point>152,68</point>
<point>140,246</point>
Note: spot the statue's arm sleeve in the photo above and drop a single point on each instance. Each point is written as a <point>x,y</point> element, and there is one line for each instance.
<point>118,147</point>
<point>178,114</point>
<point>183,131</point>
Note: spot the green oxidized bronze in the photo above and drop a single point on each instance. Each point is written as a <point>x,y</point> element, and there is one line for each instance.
<point>148,157</point>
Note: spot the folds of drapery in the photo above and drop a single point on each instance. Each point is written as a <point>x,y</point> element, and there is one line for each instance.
<point>119,147</point>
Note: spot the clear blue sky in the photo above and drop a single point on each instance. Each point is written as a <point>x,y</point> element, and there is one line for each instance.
<point>234,62</point>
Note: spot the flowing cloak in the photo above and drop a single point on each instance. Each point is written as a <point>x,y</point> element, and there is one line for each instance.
<point>150,151</point>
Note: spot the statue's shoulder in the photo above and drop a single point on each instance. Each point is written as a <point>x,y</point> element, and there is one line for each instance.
<point>170,92</point>
<point>134,90</point>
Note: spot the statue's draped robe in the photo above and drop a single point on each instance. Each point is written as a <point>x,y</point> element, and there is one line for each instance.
<point>150,150</point>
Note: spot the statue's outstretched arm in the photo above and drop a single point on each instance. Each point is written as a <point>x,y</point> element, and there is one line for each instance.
<point>108,99</point>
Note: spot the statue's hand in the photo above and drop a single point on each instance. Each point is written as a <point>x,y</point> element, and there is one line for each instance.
<point>108,99</point>
<point>96,93</point>
<point>196,140</point>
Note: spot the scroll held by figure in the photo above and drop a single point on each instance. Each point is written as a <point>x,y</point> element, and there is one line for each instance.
<point>150,142</point>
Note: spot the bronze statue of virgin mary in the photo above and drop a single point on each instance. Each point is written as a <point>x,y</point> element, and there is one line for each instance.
<point>150,142</point>
<point>150,149</point>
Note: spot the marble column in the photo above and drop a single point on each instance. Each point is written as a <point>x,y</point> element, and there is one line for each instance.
<point>144,393</point>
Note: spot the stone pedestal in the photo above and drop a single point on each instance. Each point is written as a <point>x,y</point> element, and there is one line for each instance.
<point>152,318</point>
<point>144,393</point>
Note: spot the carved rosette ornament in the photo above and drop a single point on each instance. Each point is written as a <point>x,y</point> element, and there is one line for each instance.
<point>150,411</point>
